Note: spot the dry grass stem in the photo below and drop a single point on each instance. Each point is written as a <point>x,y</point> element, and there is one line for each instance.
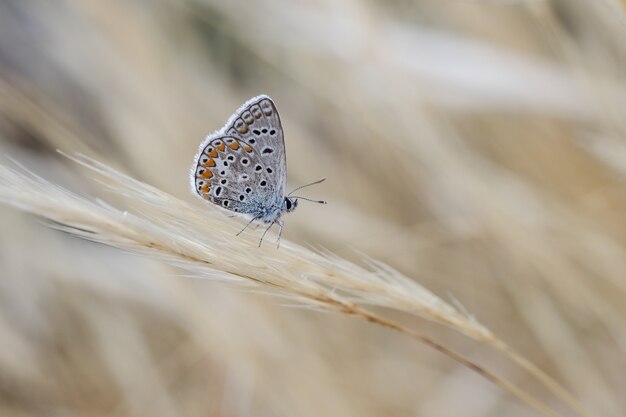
<point>202,241</point>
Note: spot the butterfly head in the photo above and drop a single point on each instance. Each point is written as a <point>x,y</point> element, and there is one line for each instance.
<point>290,204</point>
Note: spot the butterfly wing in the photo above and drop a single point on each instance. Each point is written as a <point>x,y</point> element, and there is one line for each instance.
<point>258,124</point>
<point>229,173</point>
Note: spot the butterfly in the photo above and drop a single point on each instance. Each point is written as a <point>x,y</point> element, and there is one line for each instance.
<point>242,167</point>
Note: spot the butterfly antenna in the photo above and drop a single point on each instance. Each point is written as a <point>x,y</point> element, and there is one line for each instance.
<point>308,199</point>
<point>305,185</point>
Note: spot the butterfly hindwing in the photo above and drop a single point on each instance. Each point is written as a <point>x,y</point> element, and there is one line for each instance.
<point>230,174</point>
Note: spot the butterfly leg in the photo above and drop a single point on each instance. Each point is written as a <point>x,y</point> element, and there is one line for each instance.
<point>280,232</point>
<point>246,226</point>
<point>264,233</point>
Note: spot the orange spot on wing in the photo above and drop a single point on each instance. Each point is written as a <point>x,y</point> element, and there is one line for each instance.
<point>234,146</point>
<point>213,154</point>
<point>206,174</point>
<point>221,147</point>
<point>205,189</point>
<point>210,163</point>
<point>248,148</point>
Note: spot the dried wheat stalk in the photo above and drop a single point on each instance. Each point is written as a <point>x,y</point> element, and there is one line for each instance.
<point>203,242</point>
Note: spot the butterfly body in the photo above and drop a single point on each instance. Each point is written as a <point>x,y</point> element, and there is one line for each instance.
<point>242,167</point>
<point>270,214</point>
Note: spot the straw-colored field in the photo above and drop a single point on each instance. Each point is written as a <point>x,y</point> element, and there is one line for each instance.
<point>471,260</point>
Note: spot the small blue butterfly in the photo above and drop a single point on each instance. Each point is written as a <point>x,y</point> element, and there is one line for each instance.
<point>242,167</point>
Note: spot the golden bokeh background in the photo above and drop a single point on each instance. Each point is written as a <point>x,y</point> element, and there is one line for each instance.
<point>476,146</point>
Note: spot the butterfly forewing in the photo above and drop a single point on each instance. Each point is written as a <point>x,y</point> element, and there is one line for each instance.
<point>258,124</point>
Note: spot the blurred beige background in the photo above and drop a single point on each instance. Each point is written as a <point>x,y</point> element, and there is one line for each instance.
<point>476,146</point>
